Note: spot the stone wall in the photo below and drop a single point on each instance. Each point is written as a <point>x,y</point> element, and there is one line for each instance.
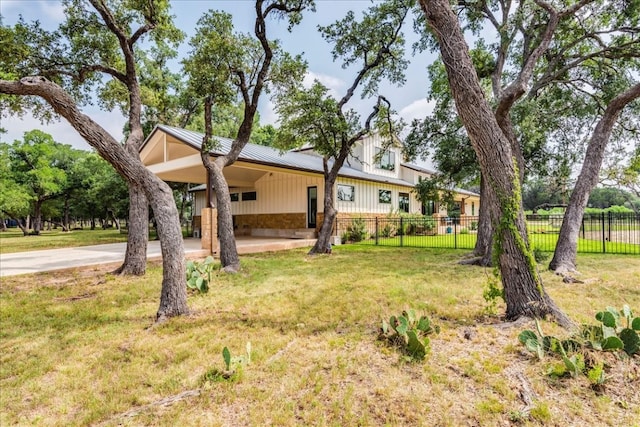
<point>244,223</point>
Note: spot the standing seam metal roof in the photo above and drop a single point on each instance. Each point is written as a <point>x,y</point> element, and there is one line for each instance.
<point>259,154</point>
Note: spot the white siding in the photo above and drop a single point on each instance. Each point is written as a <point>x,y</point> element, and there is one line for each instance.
<point>357,158</point>
<point>275,193</point>
<point>367,201</point>
<point>369,146</point>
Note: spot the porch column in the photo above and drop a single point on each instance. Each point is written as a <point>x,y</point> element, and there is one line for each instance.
<point>209,226</point>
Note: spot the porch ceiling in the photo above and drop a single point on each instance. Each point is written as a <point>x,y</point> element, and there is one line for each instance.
<point>236,176</point>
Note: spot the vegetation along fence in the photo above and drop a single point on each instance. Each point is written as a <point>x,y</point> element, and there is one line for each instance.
<point>599,233</point>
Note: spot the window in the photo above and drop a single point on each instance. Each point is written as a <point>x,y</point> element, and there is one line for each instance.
<point>387,159</point>
<point>473,208</point>
<point>429,207</point>
<point>249,195</point>
<point>384,196</point>
<point>235,197</point>
<point>346,193</point>
<point>403,202</point>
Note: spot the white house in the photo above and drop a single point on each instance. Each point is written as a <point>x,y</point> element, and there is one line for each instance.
<point>280,193</point>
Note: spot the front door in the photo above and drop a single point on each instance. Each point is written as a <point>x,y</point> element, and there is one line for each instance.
<point>312,206</point>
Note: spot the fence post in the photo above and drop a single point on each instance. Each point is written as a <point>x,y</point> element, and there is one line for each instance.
<point>377,231</point>
<point>604,242</point>
<point>455,234</point>
<point>401,233</point>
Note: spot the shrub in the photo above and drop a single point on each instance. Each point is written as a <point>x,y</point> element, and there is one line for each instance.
<point>464,230</point>
<point>388,230</point>
<point>357,231</point>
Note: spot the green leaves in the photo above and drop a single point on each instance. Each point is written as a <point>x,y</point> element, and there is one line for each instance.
<point>226,355</point>
<point>619,330</point>
<point>199,274</point>
<point>409,333</point>
<point>610,335</point>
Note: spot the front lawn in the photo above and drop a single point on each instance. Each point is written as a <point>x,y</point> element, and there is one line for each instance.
<point>80,347</point>
<point>13,240</point>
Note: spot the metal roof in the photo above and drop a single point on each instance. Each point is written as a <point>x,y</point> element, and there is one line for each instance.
<point>259,154</point>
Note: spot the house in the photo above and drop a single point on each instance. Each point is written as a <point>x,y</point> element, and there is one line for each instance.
<point>276,193</point>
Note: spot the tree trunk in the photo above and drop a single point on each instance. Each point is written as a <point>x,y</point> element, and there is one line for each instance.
<point>37,217</point>
<point>115,220</point>
<point>564,257</point>
<point>523,289</point>
<point>3,226</point>
<point>135,259</point>
<point>229,259</point>
<point>24,227</point>
<point>66,222</point>
<point>323,243</point>
<point>483,251</point>
<point>173,297</point>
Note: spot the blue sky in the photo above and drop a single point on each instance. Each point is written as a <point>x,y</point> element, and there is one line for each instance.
<point>409,100</point>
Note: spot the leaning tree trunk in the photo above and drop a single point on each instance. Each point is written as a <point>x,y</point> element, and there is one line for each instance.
<point>173,296</point>
<point>229,259</point>
<point>329,216</point>
<point>523,289</point>
<point>564,257</point>
<point>135,259</point>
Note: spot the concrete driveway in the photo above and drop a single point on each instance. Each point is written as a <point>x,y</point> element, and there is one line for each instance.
<point>58,259</point>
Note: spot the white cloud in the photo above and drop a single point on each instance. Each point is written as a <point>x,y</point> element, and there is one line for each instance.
<point>418,109</point>
<point>49,13</point>
<point>268,114</point>
<point>334,84</point>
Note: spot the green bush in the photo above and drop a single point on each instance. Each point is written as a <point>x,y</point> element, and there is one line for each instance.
<point>356,231</point>
<point>388,230</point>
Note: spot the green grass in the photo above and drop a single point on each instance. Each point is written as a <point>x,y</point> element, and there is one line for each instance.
<point>13,240</point>
<point>546,242</point>
<point>80,347</point>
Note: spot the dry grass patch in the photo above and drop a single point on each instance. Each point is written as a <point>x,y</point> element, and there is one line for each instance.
<point>79,347</point>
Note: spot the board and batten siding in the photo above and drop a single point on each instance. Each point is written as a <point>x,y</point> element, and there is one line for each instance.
<point>369,147</point>
<point>275,193</point>
<point>367,198</point>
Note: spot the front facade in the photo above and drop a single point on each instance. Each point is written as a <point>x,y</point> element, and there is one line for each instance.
<point>281,194</point>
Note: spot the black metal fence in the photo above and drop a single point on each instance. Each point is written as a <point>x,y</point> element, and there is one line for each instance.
<point>599,233</point>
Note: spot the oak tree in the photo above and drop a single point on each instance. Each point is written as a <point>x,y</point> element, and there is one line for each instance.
<point>54,72</point>
<point>374,46</point>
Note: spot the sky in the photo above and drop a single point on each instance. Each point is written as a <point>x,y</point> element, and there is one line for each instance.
<point>409,100</point>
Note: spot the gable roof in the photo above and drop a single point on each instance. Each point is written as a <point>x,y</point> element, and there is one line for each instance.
<point>262,155</point>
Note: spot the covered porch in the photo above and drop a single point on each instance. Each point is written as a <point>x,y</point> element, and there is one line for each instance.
<point>271,204</point>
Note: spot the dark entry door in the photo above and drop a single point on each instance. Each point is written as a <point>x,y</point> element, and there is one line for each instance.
<point>312,206</point>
